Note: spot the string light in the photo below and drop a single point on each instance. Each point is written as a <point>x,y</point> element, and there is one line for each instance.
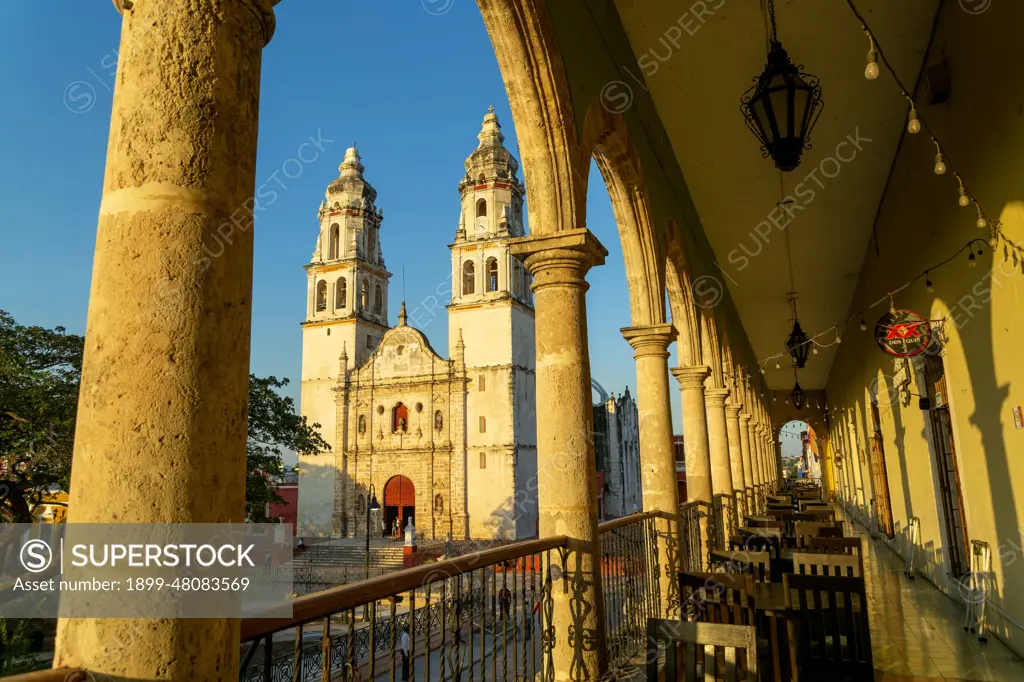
<point>928,283</point>
<point>940,162</point>
<point>815,349</point>
<point>777,365</point>
<point>971,260</point>
<point>913,123</point>
<point>964,200</point>
<point>863,324</point>
<point>982,223</point>
<point>871,70</point>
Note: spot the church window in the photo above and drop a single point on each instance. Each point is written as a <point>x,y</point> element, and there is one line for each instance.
<point>483,460</point>
<point>438,504</point>
<point>438,421</point>
<point>419,407</point>
<point>492,274</point>
<point>378,301</point>
<point>481,208</point>
<point>360,503</point>
<point>399,419</point>
<point>372,247</point>
<point>483,424</point>
<point>517,278</point>
<point>362,423</point>
<point>335,236</point>
<point>340,293</point>
<point>482,383</point>
<point>321,296</point>
<point>365,295</point>
<point>468,278</point>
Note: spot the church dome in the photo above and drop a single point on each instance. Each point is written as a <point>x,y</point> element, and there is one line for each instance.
<point>490,159</point>
<point>351,187</point>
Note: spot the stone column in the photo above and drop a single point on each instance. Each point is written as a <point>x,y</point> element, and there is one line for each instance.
<point>695,430</point>
<point>161,430</point>
<point>748,464</point>
<point>758,439</point>
<point>732,425</point>
<point>657,457</point>
<point>567,480</point>
<point>718,440</point>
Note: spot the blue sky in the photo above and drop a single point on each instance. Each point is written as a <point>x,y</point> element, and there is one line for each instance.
<point>409,84</point>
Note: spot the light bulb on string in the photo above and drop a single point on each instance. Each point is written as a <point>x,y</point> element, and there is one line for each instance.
<point>777,365</point>
<point>913,122</point>
<point>871,70</point>
<point>963,199</point>
<point>928,283</point>
<point>863,324</point>
<point>839,339</point>
<point>982,223</point>
<point>815,349</point>
<point>971,260</point>
<point>940,161</point>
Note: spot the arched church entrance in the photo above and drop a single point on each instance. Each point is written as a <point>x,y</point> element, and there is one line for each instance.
<point>399,503</point>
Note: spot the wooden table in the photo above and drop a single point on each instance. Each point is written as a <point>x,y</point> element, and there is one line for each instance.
<point>758,518</point>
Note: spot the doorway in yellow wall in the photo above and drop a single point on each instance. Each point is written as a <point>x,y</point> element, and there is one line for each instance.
<point>880,479</point>
<point>946,465</point>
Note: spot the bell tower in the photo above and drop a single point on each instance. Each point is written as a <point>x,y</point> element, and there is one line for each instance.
<point>492,312</point>
<point>346,311</point>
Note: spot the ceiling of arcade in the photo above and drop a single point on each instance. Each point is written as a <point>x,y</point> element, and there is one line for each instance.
<point>696,76</point>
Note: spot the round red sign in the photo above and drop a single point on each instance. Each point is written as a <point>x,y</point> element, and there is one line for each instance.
<point>903,333</point>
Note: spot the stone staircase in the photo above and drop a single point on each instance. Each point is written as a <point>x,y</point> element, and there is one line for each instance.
<point>350,553</point>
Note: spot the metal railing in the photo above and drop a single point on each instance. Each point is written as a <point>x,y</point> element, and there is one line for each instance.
<point>485,615</point>
<point>695,532</point>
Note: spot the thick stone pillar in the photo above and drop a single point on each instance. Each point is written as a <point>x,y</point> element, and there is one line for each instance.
<point>718,440</point>
<point>748,463</point>
<point>567,480</point>
<point>695,431</point>
<point>758,438</point>
<point>732,425</point>
<point>161,432</point>
<point>657,456</point>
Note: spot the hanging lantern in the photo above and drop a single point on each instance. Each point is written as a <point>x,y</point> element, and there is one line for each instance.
<point>782,106</point>
<point>798,396</point>
<point>798,344</point>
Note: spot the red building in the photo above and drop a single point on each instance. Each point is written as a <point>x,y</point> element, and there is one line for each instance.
<point>287,488</point>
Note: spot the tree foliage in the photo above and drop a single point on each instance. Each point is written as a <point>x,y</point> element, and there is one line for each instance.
<point>40,373</point>
<point>40,370</point>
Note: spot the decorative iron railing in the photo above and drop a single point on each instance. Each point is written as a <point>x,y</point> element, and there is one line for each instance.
<point>486,615</point>
<point>695,533</point>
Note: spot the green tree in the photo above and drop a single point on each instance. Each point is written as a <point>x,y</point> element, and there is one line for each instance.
<point>40,372</point>
<point>274,426</point>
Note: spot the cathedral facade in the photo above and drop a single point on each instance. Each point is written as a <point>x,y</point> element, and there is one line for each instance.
<point>449,443</point>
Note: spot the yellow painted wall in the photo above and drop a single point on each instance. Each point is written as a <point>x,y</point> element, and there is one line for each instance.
<point>920,224</point>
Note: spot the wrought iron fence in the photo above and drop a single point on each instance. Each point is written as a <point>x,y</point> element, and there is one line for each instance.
<point>695,530</point>
<point>629,581</point>
<point>724,520</point>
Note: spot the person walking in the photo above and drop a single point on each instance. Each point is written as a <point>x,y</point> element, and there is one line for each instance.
<point>505,600</point>
<point>406,650</point>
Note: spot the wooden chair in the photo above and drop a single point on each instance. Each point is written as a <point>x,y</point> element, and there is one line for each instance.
<point>826,514</point>
<point>829,637</point>
<point>761,543</point>
<point>815,504</point>
<point>840,565</point>
<point>803,530</point>
<point>848,546</point>
<point>718,597</point>
<point>757,564</point>
<point>730,644</point>
<point>759,524</point>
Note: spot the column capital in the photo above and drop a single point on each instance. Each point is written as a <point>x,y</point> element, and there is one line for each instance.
<point>715,397</point>
<point>264,9</point>
<point>691,377</point>
<point>650,339</point>
<point>732,411</point>
<point>744,418</point>
<point>559,258</point>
